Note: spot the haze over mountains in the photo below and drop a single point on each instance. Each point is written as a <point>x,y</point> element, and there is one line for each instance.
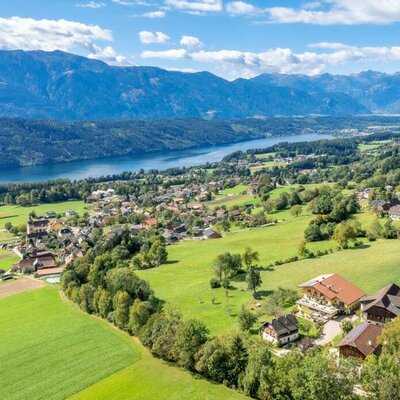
<point>58,85</point>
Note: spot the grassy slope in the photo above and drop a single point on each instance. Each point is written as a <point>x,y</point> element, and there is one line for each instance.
<point>370,268</point>
<point>51,350</point>
<point>55,349</point>
<point>19,215</point>
<point>190,266</point>
<point>190,269</point>
<point>7,260</point>
<point>150,378</point>
<point>5,236</point>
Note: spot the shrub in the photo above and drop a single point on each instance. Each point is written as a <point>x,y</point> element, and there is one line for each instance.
<point>215,283</point>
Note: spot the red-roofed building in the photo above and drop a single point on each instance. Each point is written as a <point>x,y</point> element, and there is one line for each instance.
<point>150,223</point>
<point>328,293</point>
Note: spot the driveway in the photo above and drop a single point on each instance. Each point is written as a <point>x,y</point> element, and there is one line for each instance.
<point>332,329</point>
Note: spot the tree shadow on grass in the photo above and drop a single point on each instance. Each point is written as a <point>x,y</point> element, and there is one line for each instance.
<point>238,278</point>
<point>268,268</point>
<point>361,247</point>
<point>171,262</point>
<point>265,293</point>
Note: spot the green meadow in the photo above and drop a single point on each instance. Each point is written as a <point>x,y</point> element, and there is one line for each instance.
<point>7,259</point>
<point>52,350</point>
<point>184,280</point>
<point>19,215</point>
<point>190,266</point>
<point>150,378</point>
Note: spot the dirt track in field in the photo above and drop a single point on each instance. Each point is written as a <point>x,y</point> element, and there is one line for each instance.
<point>18,286</point>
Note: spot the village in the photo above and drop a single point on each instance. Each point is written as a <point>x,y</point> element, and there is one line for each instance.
<point>179,226</point>
<point>54,241</point>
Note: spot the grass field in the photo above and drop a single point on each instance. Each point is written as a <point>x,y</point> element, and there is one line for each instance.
<point>190,269</point>
<point>190,266</point>
<point>5,236</point>
<point>233,200</point>
<point>7,259</point>
<point>19,215</point>
<point>150,378</point>
<point>188,274</point>
<point>238,189</point>
<point>235,196</point>
<point>365,147</point>
<point>51,350</point>
<point>268,165</point>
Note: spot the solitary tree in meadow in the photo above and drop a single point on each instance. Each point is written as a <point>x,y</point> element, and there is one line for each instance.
<point>253,279</point>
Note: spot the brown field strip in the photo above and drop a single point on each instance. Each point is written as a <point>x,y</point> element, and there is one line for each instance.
<point>2,216</point>
<point>19,286</point>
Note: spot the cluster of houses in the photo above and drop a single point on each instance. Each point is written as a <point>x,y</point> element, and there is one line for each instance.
<point>297,158</point>
<point>181,204</point>
<point>390,208</point>
<point>329,295</point>
<point>36,257</point>
<point>106,208</point>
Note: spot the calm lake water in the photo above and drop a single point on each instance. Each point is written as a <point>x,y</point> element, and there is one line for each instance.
<point>113,165</point>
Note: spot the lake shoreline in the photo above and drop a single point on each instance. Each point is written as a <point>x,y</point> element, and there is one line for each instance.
<point>160,160</point>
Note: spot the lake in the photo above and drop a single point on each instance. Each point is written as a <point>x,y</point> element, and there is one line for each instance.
<point>162,160</point>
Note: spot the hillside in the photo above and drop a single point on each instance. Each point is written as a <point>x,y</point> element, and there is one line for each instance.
<point>29,142</point>
<point>88,358</point>
<point>64,86</point>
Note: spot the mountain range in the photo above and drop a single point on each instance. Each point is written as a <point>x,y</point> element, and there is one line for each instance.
<point>64,86</point>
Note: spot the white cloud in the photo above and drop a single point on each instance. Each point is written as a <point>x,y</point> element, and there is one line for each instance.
<point>154,14</point>
<point>172,54</point>
<point>90,4</point>
<point>339,12</point>
<point>185,70</point>
<point>108,55</point>
<point>311,5</point>
<point>242,8</point>
<point>196,5</point>
<point>330,46</point>
<point>234,63</point>
<point>123,2</point>
<point>191,42</point>
<point>50,35</point>
<point>147,37</point>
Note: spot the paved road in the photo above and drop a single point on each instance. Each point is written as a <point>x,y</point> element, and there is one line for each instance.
<point>332,329</point>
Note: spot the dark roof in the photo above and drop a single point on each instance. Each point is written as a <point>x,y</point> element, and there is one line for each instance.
<point>37,235</point>
<point>378,203</point>
<point>211,232</point>
<point>285,325</point>
<point>39,223</point>
<point>180,229</point>
<point>388,298</point>
<point>363,337</point>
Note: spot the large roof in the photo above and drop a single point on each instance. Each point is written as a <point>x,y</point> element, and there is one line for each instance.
<point>388,297</point>
<point>284,325</point>
<point>45,261</point>
<point>363,337</point>
<point>334,286</point>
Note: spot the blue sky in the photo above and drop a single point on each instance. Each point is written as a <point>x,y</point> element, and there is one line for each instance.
<point>229,38</point>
